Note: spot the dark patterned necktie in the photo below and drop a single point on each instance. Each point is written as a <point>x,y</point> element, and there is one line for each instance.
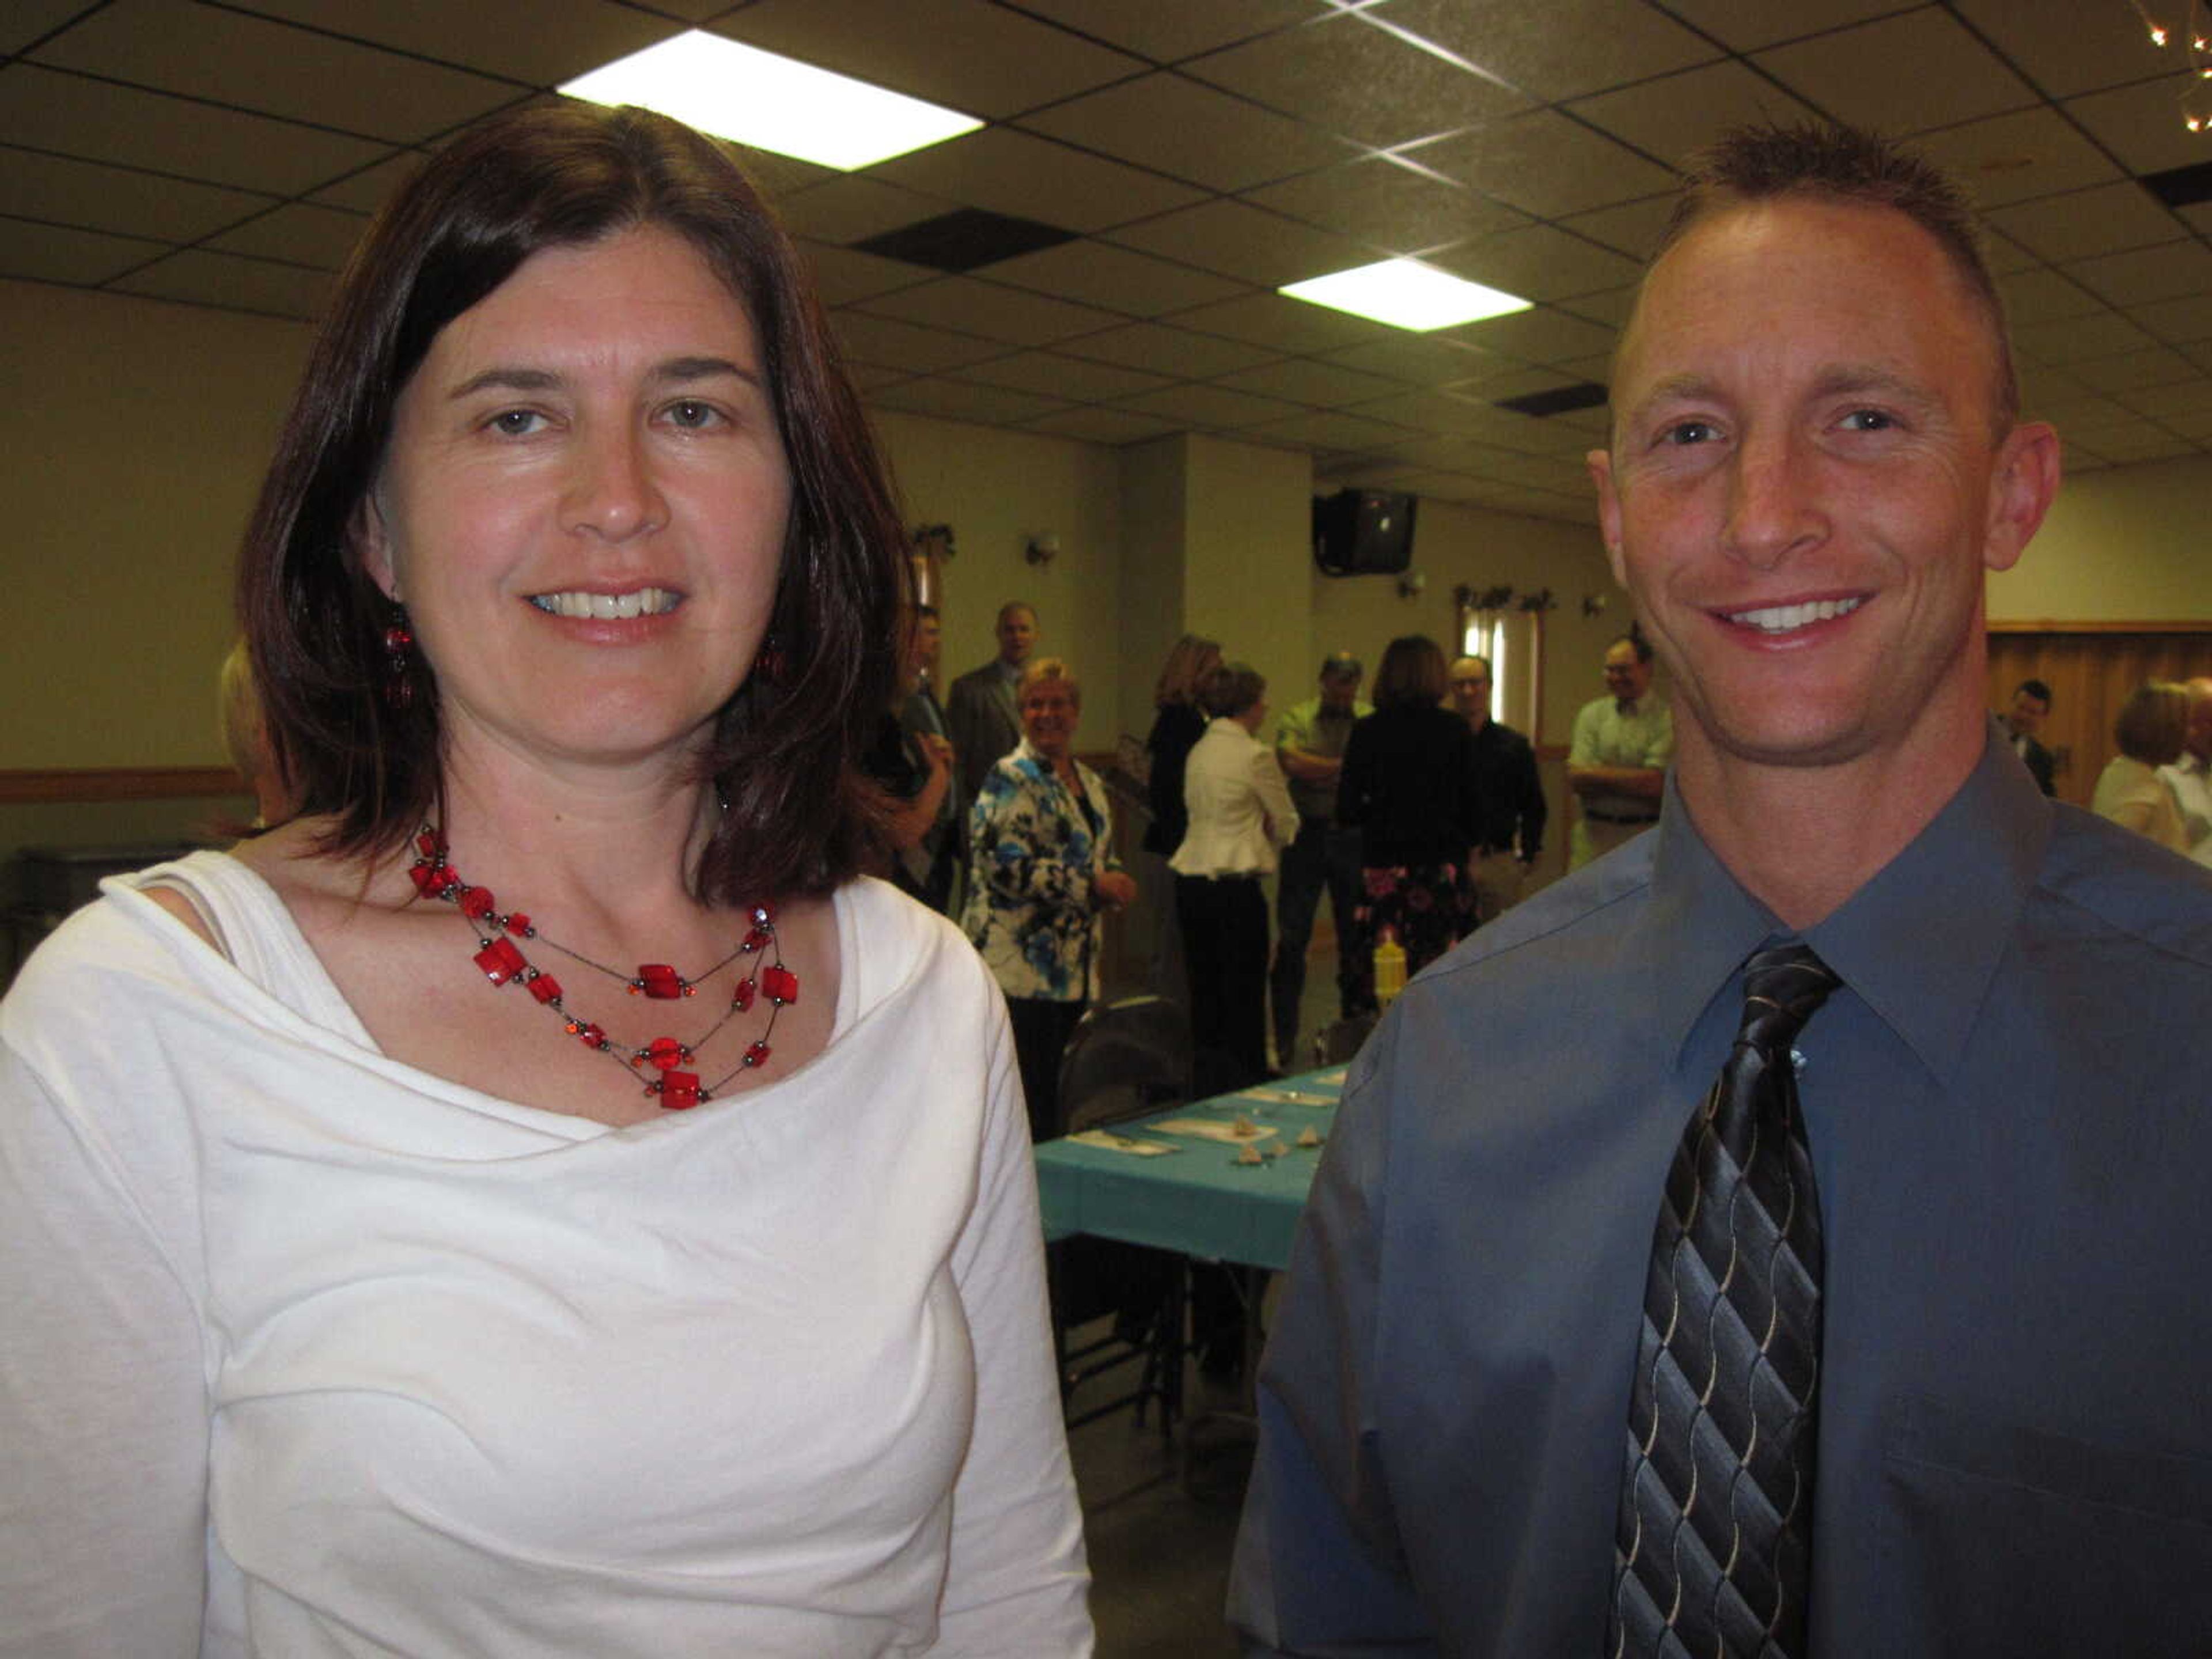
<point>1713,1558</point>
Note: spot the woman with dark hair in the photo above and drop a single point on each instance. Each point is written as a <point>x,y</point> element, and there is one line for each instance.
<point>1407,786</point>
<point>1177,725</point>
<point>536,1199</point>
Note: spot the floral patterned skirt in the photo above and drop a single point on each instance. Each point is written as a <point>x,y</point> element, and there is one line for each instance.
<point>1429,907</point>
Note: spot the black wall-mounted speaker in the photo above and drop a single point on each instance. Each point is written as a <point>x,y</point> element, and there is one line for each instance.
<point>1364,532</point>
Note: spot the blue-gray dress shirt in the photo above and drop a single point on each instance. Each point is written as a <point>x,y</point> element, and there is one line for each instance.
<point>2010,1126</point>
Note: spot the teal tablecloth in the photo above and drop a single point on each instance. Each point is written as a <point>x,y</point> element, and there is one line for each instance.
<point>1198,1201</point>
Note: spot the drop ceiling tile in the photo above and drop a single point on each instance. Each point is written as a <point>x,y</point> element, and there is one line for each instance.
<point>1282,326</point>
<point>70,115</point>
<point>2185,397</point>
<point>2199,355</point>
<point>1612,308</point>
<point>1668,118</point>
<point>889,343</point>
<point>1246,244</point>
<point>223,56</point>
<point>2010,158</point>
<point>1009,171</point>
<point>62,253</point>
<point>1539,263</point>
<point>523,40</point>
<point>2198,216</point>
<point>2067,48</point>
<point>2141,275</point>
<point>1328,72</point>
<point>365,190</point>
<point>855,207</point>
<point>27,21</point>
<point>1166,30</point>
<point>1187,130</point>
<point>1112,427</point>
<point>842,276</point>
<point>1393,208</point>
<point>2132,446</point>
<point>2083,223</point>
<point>1542,334</point>
<point>2043,385</point>
<point>1327,430</point>
<point>2087,415</point>
<point>2195,425</point>
<point>1633,229</point>
<point>1419,358</point>
<point>963,400</point>
<point>2043,296</point>
<point>1437,411</point>
<point>1853,74</point>
<point>1305,380</point>
<point>2078,339</point>
<point>1175,352</point>
<point>1545,164</point>
<point>982,59</point>
<point>1210,406</point>
<point>989,310</point>
<point>1746,25</point>
<point>2178,322</point>
<point>775,176</point>
<point>1563,49</point>
<point>1134,284</point>
<point>869,378</point>
<point>1075,379</point>
<point>2137,370</point>
<point>2140,124</point>
<point>2002,255</point>
<point>235,285</point>
<point>94,197</point>
<point>298,235</point>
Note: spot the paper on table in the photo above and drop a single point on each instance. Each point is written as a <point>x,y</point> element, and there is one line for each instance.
<point>1113,1143</point>
<point>1295,1096</point>
<point>1210,1129</point>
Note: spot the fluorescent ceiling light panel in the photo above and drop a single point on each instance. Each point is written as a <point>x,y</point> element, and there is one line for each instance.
<point>735,91</point>
<point>1406,293</point>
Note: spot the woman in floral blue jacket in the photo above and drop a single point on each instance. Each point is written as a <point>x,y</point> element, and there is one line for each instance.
<point>1041,871</point>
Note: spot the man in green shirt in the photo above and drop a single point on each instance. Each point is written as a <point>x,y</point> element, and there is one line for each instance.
<point>1310,743</point>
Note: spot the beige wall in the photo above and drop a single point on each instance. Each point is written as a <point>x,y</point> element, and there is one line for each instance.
<point>998,490</point>
<point>135,433</point>
<point>2126,544</point>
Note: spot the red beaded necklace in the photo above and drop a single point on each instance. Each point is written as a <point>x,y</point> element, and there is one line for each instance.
<point>503,963</point>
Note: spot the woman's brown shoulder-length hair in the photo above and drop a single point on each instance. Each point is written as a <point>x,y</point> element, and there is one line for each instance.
<point>799,817</point>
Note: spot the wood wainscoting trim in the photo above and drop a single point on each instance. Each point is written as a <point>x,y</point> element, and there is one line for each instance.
<point>78,785</point>
<point>2101,627</point>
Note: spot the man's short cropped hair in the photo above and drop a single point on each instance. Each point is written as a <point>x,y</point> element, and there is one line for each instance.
<point>2035,688</point>
<point>1634,640</point>
<point>1826,160</point>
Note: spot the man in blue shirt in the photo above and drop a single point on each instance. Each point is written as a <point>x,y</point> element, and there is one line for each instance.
<point>1814,458</point>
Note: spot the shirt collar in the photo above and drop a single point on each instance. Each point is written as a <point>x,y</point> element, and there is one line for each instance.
<point>1919,944</point>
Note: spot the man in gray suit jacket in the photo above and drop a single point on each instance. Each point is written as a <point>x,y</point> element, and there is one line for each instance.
<point>985,725</point>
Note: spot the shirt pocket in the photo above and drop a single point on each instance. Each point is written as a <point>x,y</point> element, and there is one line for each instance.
<point>2009,1541</point>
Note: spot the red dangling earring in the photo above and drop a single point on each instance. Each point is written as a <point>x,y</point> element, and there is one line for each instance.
<point>399,646</point>
<point>769,664</point>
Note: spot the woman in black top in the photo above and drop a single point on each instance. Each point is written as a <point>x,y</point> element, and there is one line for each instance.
<point>1176,729</point>
<point>1408,786</point>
